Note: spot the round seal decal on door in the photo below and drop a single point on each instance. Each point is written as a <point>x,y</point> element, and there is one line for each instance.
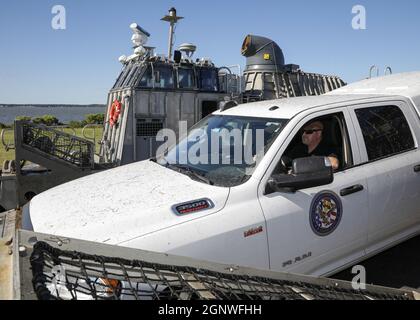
<point>325,213</point>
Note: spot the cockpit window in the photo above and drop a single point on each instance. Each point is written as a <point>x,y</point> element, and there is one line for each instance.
<point>129,79</point>
<point>164,77</point>
<point>123,75</point>
<point>118,79</point>
<point>186,78</point>
<point>146,80</point>
<point>208,79</point>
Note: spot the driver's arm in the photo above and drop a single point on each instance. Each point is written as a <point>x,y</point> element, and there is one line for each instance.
<point>334,161</point>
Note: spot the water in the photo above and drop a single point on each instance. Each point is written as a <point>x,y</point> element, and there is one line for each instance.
<point>65,114</point>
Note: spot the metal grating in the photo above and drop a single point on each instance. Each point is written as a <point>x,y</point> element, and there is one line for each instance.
<point>63,275</point>
<point>288,84</point>
<point>148,128</point>
<point>72,149</point>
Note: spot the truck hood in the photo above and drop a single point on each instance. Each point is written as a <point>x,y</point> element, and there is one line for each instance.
<point>121,204</point>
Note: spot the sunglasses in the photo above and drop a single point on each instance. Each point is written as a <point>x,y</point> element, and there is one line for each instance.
<point>310,131</point>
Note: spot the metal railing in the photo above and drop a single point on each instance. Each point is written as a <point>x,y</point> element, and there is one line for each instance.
<point>61,145</point>
<point>89,126</point>
<point>8,146</point>
<point>388,70</point>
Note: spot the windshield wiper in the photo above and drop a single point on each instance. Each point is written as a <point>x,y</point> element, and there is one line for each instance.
<point>189,172</point>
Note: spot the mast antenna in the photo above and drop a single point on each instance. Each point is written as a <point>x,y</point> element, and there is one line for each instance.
<point>173,19</point>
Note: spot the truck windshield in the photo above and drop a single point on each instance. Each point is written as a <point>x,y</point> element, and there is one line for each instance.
<point>223,150</point>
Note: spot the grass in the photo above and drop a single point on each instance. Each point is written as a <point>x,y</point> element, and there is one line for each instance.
<point>7,155</point>
<point>9,138</point>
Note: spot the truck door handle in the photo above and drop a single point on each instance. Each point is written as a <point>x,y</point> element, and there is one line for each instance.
<point>417,168</point>
<point>351,190</point>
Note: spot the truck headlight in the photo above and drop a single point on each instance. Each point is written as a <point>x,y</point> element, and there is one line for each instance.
<point>26,218</point>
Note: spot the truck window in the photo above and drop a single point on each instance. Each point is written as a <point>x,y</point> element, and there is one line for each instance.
<point>224,149</point>
<point>333,140</point>
<point>385,131</point>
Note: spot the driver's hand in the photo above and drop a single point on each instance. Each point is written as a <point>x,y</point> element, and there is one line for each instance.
<point>286,164</point>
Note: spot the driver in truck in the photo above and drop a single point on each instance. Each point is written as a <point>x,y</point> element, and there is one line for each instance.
<point>312,145</point>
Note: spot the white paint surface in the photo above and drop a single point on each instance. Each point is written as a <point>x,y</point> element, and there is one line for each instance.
<point>120,204</point>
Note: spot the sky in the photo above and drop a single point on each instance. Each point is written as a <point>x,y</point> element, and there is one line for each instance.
<point>78,65</point>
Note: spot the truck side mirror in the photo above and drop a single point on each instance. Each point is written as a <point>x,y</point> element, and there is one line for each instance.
<point>306,173</point>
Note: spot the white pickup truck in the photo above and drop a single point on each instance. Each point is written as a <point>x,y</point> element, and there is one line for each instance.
<point>300,217</point>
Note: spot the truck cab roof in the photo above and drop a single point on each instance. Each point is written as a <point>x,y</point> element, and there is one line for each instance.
<point>404,84</point>
<point>401,84</point>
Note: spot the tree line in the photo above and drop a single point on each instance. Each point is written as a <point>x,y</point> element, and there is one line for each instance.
<point>50,120</point>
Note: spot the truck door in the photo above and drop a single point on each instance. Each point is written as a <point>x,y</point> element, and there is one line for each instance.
<point>390,154</point>
<point>317,230</point>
